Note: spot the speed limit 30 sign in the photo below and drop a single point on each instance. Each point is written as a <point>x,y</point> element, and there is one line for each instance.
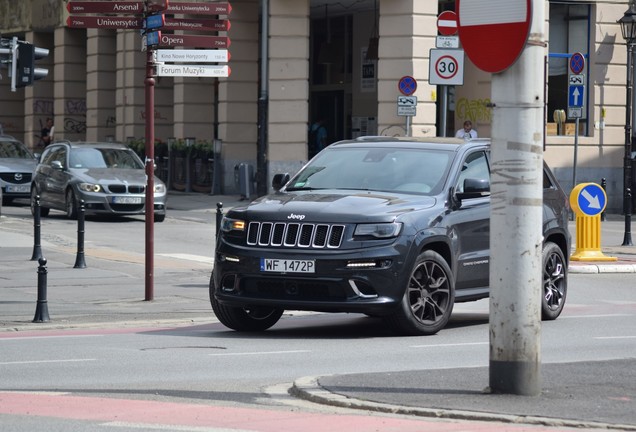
<point>446,67</point>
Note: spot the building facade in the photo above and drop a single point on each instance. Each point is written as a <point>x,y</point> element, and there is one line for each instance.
<point>340,61</point>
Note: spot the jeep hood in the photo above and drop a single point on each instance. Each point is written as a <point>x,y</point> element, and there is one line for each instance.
<point>327,206</point>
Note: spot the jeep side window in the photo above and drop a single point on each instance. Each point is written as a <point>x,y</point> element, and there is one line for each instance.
<point>475,166</point>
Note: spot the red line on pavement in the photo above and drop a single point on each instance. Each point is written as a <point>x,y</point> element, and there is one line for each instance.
<point>102,410</point>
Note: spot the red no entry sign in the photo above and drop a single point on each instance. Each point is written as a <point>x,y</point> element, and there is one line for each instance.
<point>447,23</point>
<point>494,32</point>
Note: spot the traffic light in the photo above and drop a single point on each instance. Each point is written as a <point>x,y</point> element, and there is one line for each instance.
<point>26,72</point>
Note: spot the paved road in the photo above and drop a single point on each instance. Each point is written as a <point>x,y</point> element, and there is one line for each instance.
<point>119,303</point>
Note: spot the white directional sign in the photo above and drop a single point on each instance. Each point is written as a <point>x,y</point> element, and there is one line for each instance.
<point>446,67</point>
<point>193,56</point>
<point>181,70</point>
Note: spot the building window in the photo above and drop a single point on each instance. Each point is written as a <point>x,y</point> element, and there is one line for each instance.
<point>569,34</point>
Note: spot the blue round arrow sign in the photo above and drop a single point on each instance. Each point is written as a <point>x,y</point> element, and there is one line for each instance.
<point>591,199</point>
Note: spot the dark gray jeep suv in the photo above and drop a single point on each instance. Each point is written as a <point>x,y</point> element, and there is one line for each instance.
<point>390,227</point>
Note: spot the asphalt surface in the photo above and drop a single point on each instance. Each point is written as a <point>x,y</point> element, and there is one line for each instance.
<point>573,394</point>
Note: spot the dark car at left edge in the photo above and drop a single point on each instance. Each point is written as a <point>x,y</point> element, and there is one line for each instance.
<point>17,163</point>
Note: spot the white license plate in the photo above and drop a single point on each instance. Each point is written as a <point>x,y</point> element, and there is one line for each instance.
<point>126,200</point>
<point>18,188</point>
<point>288,266</point>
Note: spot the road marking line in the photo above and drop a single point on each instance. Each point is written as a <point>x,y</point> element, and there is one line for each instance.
<point>8,337</point>
<point>46,361</point>
<point>449,345</point>
<point>261,353</point>
<point>153,426</point>
<point>595,316</point>
<point>190,257</point>
<point>615,337</point>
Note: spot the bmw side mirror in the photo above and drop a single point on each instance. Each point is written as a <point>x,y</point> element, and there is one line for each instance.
<point>57,165</point>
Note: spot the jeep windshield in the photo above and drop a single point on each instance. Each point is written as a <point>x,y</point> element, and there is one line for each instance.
<point>386,169</point>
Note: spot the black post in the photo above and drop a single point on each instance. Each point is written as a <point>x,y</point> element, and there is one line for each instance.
<point>42,308</point>
<point>37,248</point>
<point>604,186</point>
<point>627,238</point>
<point>219,217</point>
<point>79,260</point>
<point>627,158</point>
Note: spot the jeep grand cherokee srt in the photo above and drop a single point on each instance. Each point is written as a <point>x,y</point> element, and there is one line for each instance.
<point>390,227</point>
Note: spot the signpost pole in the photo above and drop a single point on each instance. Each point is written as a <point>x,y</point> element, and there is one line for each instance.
<point>576,150</point>
<point>150,188</point>
<point>516,216</point>
<point>444,111</point>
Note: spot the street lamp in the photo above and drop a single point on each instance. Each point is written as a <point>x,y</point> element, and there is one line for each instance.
<point>628,29</point>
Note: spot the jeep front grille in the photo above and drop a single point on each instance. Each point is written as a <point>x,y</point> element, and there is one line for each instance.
<point>304,235</point>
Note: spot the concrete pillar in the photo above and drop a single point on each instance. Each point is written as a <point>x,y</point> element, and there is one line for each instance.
<point>237,93</point>
<point>38,98</point>
<point>407,33</point>
<point>129,94</point>
<point>100,82</point>
<point>288,85</point>
<point>164,104</point>
<point>69,90</point>
<point>194,108</point>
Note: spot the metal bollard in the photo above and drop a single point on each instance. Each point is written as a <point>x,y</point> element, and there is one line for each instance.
<point>627,236</point>
<point>219,217</point>
<point>604,186</point>
<point>79,259</point>
<point>42,308</point>
<point>37,248</point>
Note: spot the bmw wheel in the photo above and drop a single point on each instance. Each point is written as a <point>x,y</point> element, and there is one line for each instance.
<point>555,282</point>
<point>428,299</point>
<point>44,211</point>
<point>70,205</point>
<point>250,319</point>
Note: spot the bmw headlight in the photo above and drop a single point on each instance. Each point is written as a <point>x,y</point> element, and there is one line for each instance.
<point>90,187</point>
<point>160,189</point>
<point>378,230</point>
<point>228,225</point>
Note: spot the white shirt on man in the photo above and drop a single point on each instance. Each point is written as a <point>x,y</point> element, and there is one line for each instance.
<point>466,135</point>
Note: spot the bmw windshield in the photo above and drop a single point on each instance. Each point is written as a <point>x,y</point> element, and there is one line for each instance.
<point>104,158</point>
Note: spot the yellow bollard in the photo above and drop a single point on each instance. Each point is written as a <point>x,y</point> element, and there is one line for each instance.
<point>588,200</point>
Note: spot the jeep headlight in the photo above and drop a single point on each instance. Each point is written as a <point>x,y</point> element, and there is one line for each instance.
<point>378,230</point>
<point>89,187</point>
<point>228,224</point>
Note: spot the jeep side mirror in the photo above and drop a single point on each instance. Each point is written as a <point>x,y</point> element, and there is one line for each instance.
<point>477,186</point>
<point>474,188</point>
<point>279,180</point>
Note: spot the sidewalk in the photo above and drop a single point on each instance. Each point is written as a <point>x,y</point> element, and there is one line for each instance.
<point>586,401</point>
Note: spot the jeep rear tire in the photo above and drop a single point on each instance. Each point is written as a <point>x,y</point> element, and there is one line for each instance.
<point>555,282</point>
<point>428,298</point>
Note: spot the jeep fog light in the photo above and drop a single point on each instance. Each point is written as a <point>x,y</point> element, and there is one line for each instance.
<point>229,258</point>
<point>378,230</point>
<point>369,264</point>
